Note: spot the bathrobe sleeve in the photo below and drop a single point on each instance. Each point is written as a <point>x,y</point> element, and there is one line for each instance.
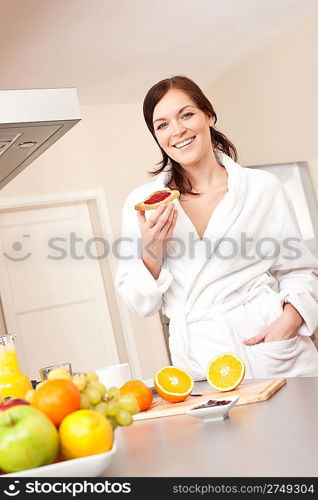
<point>136,285</point>
<point>296,269</point>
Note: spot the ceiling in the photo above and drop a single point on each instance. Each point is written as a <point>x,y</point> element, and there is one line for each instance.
<point>112,51</point>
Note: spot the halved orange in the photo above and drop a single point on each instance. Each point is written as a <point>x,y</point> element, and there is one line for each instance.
<point>225,372</point>
<point>173,384</point>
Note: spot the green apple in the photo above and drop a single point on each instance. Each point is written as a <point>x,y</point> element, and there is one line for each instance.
<point>28,439</point>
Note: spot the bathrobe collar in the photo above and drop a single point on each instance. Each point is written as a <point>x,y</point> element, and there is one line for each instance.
<point>225,213</point>
<point>223,216</point>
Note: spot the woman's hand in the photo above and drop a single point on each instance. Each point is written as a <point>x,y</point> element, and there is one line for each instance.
<point>285,327</point>
<point>156,232</point>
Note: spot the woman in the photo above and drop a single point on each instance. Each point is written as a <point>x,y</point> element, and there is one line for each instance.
<point>225,261</point>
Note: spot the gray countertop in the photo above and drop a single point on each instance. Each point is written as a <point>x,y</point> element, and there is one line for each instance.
<point>277,437</point>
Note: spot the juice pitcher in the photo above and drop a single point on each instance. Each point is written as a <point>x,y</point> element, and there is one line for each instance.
<point>13,383</point>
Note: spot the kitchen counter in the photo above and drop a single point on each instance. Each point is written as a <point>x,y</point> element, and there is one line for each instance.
<point>273,438</point>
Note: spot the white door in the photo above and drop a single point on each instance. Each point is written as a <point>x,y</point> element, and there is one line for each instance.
<point>52,289</point>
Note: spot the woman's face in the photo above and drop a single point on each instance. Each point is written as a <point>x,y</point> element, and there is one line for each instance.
<point>182,129</point>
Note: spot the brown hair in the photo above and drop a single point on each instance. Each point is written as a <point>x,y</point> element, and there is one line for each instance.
<point>179,178</point>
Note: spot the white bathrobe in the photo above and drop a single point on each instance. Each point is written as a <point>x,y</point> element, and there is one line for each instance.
<point>232,283</point>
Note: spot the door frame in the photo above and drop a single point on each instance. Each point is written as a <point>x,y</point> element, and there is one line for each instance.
<point>97,197</point>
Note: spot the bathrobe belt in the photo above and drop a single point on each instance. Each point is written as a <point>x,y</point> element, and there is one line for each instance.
<point>180,319</point>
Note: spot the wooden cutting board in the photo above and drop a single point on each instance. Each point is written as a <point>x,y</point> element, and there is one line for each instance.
<point>249,392</point>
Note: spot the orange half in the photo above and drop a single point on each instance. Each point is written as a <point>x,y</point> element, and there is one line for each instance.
<point>225,372</point>
<point>173,384</point>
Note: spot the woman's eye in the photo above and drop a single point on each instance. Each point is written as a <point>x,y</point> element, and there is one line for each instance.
<point>187,115</point>
<point>162,125</point>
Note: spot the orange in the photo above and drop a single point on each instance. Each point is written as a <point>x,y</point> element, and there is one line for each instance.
<point>85,432</point>
<point>225,372</point>
<point>140,391</point>
<point>56,398</point>
<point>173,384</point>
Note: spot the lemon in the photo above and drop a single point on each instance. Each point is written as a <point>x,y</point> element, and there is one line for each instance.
<point>83,433</point>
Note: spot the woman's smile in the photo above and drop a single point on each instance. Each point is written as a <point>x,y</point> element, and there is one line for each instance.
<point>185,143</point>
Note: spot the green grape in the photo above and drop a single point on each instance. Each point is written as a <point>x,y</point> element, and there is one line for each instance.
<point>79,381</point>
<point>129,403</point>
<point>112,407</point>
<point>91,376</point>
<point>84,404</point>
<point>123,417</point>
<point>99,386</point>
<point>93,394</point>
<point>102,408</point>
<point>112,421</point>
<point>113,393</point>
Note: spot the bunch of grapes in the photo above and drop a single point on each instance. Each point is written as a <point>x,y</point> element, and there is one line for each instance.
<point>94,395</point>
<point>118,409</point>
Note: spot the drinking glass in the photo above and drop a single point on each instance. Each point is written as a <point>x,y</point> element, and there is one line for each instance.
<point>45,371</point>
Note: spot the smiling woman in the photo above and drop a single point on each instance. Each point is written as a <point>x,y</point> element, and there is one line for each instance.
<point>256,301</point>
<point>182,120</point>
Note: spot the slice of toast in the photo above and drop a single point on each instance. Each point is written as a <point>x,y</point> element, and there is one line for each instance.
<point>157,198</point>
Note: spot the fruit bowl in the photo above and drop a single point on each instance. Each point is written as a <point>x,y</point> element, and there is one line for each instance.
<point>90,466</point>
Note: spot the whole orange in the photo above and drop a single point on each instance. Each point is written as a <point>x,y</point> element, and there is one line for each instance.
<point>140,391</point>
<point>57,398</point>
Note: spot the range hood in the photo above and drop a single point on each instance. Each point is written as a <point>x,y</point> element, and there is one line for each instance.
<point>30,122</point>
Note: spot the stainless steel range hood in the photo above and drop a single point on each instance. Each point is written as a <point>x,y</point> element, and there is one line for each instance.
<point>30,122</point>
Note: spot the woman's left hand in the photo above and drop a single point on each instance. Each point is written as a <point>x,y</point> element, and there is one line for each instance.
<point>285,327</point>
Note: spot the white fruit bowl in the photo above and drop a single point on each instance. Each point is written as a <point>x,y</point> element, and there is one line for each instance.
<point>91,466</point>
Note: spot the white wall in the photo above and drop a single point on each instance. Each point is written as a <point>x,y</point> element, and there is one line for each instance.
<point>268,105</point>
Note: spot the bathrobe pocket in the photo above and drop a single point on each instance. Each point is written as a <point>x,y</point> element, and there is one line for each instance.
<point>273,359</point>
<point>295,357</point>
<point>292,357</point>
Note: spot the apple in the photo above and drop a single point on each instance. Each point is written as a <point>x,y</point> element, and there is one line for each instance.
<point>28,439</point>
<point>9,402</point>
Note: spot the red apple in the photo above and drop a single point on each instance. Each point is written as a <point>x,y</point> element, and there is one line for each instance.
<point>9,402</point>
